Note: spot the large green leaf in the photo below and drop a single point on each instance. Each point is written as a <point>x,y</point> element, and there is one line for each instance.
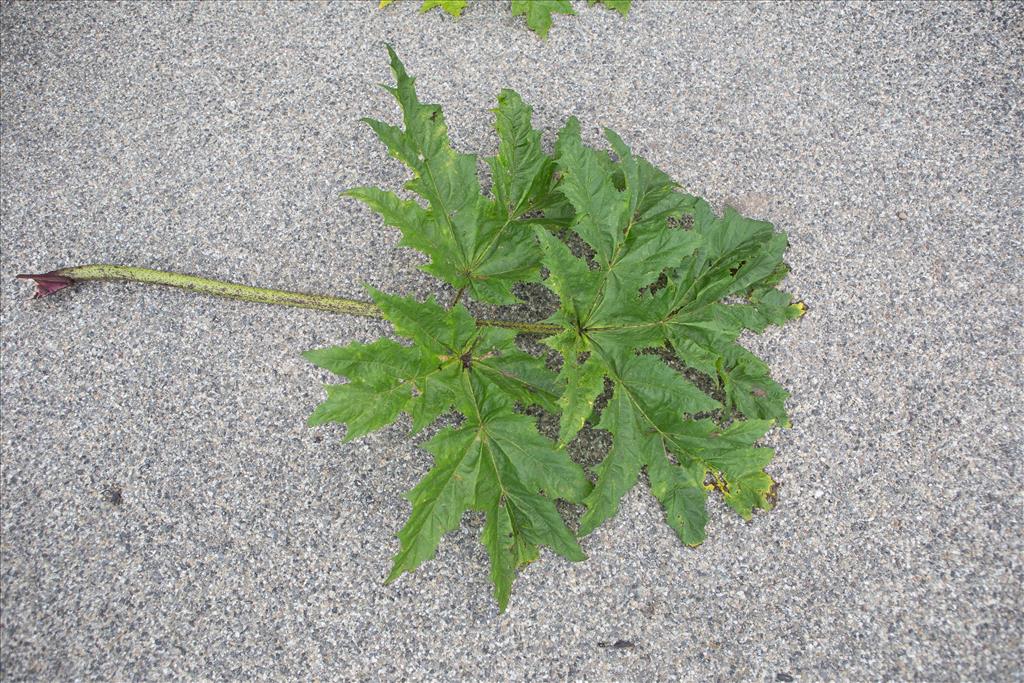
<point>655,293</point>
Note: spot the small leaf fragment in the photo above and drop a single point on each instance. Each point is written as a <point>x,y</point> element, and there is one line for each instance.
<point>620,6</point>
<point>452,7</point>
<point>538,13</point>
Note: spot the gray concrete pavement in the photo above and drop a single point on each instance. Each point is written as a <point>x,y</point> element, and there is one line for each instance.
<point>214,138</point>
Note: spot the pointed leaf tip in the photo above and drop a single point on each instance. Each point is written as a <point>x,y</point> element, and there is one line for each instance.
<point>47,283</point>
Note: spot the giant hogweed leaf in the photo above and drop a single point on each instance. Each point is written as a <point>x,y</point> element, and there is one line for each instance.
<point>576,285</point>
<point>474,243</point>
<point>622,206</point>
<point>495,461</point>
<point>645,419</point>
<point>646,288</point>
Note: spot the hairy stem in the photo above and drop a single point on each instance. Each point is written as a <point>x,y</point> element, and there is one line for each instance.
<point>49,283</point>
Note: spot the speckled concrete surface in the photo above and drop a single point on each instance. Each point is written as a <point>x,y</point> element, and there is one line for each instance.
<point>214,138</point>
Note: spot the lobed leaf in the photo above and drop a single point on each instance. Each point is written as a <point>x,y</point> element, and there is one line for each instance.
<point>495,461</point>
<point>622,210</point>
<point>583,383</point>
<point>475,243</point>
<point>653,310</point>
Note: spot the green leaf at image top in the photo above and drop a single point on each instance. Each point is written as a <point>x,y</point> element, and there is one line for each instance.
<point>452,7</point>
<point>537,13</point>
<point>654,291</point>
